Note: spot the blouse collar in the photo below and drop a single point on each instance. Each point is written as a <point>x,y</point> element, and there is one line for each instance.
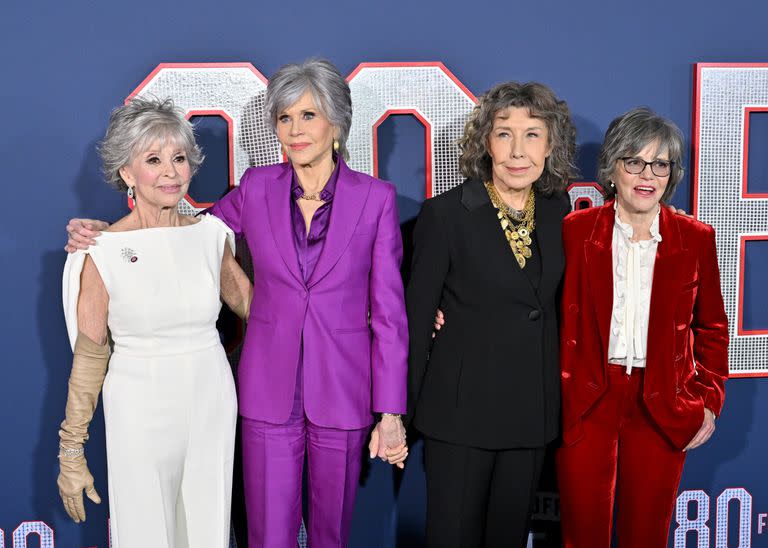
<point>628,231</point>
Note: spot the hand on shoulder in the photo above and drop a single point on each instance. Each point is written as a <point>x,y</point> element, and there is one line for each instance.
<point>680,212</point>
<point>81,233</point>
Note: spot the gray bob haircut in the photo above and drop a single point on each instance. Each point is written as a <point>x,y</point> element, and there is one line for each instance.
<point>632,132</point>
<point>327,86</point>
<point>135,126</point>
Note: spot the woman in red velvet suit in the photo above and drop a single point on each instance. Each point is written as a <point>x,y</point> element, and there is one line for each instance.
<point>644,343</point>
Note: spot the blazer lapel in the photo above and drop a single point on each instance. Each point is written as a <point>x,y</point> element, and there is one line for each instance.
<point>598,254</point>
<point>280,222</point>
<point>549,239</point>
<point>473,197</point>
<point>348,201</point>
<point>666,284</point>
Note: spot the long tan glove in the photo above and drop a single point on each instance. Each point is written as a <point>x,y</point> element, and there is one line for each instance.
<point>89,367</point>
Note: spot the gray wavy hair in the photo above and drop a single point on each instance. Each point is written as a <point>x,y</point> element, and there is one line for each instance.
<point>542,103</point>
<point>134,127</point>
<point>328,87</point>
<point>630,133</point>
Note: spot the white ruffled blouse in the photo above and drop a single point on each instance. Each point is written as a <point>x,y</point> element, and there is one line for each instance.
<point>632,281</point>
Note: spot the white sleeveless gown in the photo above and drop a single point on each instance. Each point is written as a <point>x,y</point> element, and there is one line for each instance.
<point>169,397</point>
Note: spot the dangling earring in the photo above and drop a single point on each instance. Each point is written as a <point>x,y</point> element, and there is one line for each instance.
<point>130,193</point>
<point>335,145</point>
<point>612,185</point>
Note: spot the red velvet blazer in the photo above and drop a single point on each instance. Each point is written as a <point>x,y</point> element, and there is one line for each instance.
<point>687,354</point>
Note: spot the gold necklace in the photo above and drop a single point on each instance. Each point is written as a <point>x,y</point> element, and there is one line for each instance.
<point>517,231</point>
<point>316,196</point>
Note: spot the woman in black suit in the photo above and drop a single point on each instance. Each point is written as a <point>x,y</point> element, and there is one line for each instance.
<point>488,253</point>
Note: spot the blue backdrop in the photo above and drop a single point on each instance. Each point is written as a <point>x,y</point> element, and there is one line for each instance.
<point>66,65</point>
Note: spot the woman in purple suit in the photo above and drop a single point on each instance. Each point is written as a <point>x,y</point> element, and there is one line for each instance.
<point>327,340</point>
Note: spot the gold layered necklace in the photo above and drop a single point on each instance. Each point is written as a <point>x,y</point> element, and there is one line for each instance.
<point>518,230</point>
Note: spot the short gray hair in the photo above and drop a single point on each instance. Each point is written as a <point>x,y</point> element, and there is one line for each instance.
<point>632,132</point>
<point>135,126</point>
<point>327,86</point>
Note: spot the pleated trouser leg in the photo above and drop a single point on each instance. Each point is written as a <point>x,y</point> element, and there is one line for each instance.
<point>623,461</point>
<point>170,440</point>
<point>273,461</point>
<point>478,497</point>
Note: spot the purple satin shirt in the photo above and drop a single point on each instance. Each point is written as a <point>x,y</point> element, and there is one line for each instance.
<point>309,245</point>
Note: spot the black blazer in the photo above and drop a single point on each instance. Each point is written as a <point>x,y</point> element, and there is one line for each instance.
<point>490,378</point>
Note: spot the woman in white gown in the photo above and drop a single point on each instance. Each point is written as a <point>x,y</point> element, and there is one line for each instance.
<point>153,284</point>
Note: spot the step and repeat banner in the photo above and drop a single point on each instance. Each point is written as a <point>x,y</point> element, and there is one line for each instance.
<point>407,118</point>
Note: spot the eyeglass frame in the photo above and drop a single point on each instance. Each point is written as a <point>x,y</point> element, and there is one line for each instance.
<point>646,164</point>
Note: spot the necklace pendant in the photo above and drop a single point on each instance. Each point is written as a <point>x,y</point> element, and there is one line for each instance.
<point>516,225</point>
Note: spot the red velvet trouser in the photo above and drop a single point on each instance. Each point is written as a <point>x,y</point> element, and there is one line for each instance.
<point>624,458</point>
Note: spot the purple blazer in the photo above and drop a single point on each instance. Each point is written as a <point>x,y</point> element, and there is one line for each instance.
<point>351,312</point>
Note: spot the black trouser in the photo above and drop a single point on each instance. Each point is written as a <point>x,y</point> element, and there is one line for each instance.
<point>479,497</point>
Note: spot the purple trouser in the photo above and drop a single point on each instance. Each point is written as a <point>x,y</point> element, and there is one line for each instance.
<point>273,462</point>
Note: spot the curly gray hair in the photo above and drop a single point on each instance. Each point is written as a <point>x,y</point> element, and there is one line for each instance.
<point>327,86</point>
<point>542,103</point>
<point>135,126</point>
<point>632,132</point>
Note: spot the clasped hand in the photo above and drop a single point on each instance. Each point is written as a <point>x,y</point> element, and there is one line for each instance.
<point>388,441</point>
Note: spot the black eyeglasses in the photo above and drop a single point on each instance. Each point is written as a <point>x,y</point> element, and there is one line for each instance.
<point>635,166</point>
